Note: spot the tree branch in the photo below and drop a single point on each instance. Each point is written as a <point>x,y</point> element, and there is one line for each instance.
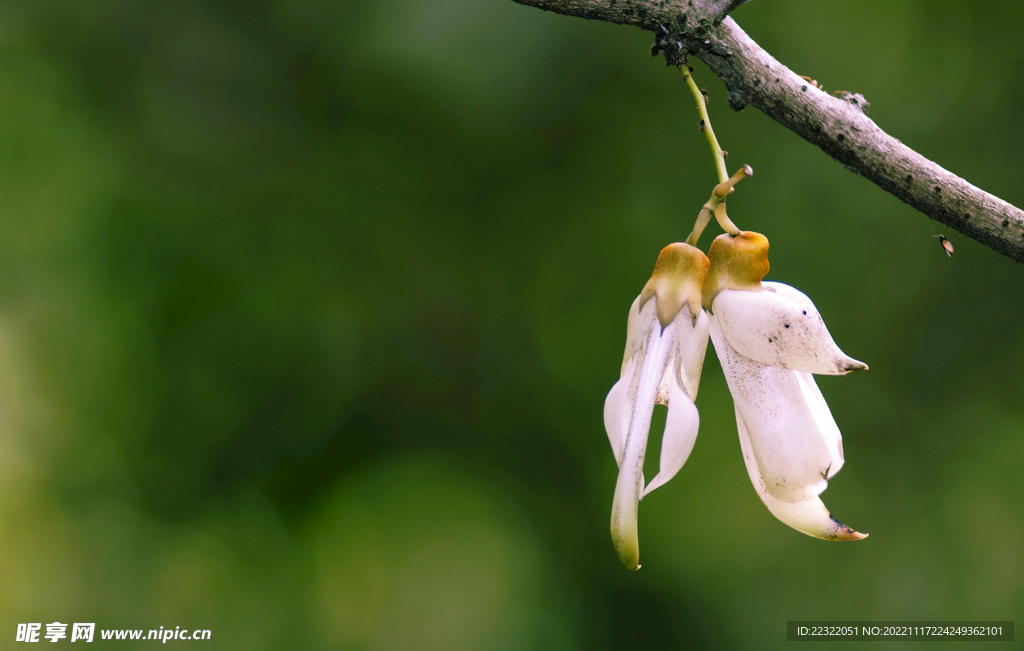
<point>838,126</point>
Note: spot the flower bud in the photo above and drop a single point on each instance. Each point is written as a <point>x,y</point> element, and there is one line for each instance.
<point>736,262</point>
<point>677,280</point>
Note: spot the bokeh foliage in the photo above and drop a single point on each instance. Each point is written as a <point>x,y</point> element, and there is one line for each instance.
<point>308,311</point>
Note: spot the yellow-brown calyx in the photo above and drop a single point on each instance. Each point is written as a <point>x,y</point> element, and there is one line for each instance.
<point>737,262</point>
<point>678,277</point>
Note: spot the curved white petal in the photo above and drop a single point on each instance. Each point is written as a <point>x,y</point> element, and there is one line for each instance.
<point>792,453</point>
<point>623,525</point>
<point>621,402</point>
<point>638,325</point>
<point>652,356</point>
<point>615,411</point>
<point>691,344</point>
<point>809,516</point>
<point>823,419</point>
<point>780,327</point>
<point>681,427</point>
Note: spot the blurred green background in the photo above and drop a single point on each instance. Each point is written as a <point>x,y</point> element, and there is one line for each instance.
<point>308,311</point>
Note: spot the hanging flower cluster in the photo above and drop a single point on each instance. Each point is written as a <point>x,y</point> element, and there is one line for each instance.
<point>770,340</point>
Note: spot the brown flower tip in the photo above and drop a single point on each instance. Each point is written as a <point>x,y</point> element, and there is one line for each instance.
<point>839,531</point>
<point>678,277</point>
<point>737,262</point>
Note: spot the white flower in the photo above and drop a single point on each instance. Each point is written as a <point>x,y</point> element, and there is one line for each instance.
<point>667,336</point>
<point>770,339</point>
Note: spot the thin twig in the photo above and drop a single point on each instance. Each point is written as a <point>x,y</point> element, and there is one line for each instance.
<point>839,127</point>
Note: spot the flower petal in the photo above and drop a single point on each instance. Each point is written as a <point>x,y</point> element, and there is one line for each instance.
<point>638,325</point>
<point>792,454</point>
<point>620,404</point>
<point>651,359</point>
<point>615,411</point>
<point>809,516</point>
<point>691,344</point>
<point>823,419</point>
<point>681,426</point>
<point>780,327</point>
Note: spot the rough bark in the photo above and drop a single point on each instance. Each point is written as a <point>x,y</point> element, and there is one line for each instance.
<point>838,125</point>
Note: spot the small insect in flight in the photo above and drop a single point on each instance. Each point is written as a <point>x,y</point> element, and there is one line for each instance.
<point>947,246</point>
